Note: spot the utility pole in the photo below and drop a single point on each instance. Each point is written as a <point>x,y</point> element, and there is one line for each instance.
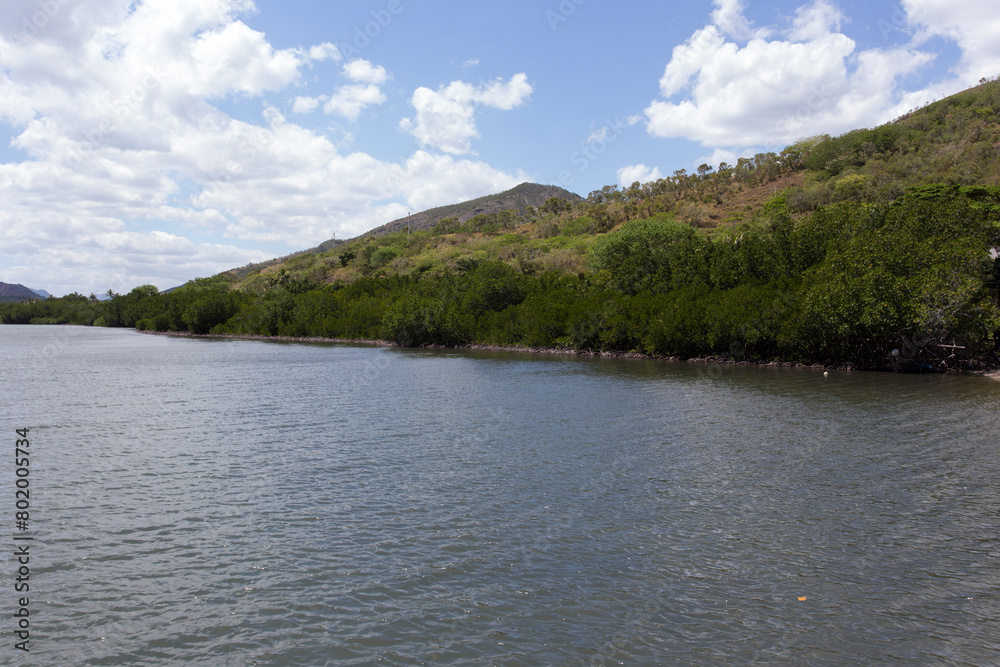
<point>408,214</point>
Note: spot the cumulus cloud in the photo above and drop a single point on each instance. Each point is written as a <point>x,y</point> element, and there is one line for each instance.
<point>133,174</point>
<point>728,17</point>
<point>234,58</point>
<point>350,100</point>
<point>305,104</point>
<point>445,118</point>
<point>776,87</point>
<point>324,51</point>
<point>971,25</point>
<point>637,172</point>
<point>363,71</point>
<point>814,21</point>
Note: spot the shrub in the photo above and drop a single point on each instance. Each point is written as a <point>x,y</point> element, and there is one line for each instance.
<point>653,254</point>
<point>381,257</point>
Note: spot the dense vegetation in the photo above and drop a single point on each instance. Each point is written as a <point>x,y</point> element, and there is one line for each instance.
<point>835,251</point>
<point>70,309</point>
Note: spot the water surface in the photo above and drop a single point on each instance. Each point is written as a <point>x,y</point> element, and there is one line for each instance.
<point>207,502</point>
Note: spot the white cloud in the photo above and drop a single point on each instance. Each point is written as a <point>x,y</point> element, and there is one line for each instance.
<point>324,51</point>
<point>689,58</point>
<point>814,21</point>
<point>235,58</point>
<point>471,62</point>
<point>974,26</point>
<point>434,180</point>
<point>133,176</point>
<point>362,71</point>
<point>729,18</point>
<point>637,172</point>
<point>305,104</point>
<point>350,100</point>
<point>446,118</point>
<point>502,95</point>
<point>774,91</point>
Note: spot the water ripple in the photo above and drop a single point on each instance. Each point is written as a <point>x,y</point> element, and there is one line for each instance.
<point>244,503</point>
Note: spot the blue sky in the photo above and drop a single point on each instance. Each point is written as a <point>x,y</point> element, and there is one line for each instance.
<point>157,141</point>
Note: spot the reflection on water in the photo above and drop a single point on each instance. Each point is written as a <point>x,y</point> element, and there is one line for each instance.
<point>245,503</point>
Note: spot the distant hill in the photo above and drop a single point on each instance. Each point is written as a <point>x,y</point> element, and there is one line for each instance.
<point>40,292</point>
<point>519,198</point>
<point>13,293</point>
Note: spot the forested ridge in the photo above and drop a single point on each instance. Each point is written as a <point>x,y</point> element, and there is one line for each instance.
<point>871,249</point>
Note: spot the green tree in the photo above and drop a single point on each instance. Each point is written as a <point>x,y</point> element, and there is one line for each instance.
<point>653,254</point>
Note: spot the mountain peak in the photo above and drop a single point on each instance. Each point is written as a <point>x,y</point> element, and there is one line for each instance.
<point>518,198</point>
<point>13,293</point>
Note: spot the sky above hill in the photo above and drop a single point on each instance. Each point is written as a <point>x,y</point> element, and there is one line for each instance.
<point>155,141</point>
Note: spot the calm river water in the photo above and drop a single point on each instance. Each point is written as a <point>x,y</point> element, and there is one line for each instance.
<point>199,502</point>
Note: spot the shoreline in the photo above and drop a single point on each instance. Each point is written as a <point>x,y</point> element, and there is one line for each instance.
<point>640,355</point>
<point>477,347</point>
<point>993,374</point>
<point>272,339</point>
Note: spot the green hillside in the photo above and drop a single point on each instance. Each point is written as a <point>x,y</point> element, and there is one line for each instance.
<point>955,141</point>
<point>519,200</point>
<point>837,250</point>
